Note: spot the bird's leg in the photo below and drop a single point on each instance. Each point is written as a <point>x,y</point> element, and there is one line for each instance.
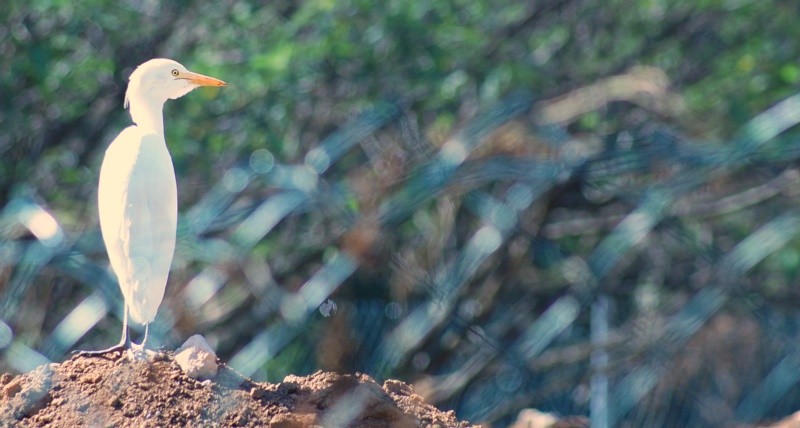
<point>146,330</point>
<point>139,348</point>
<point>124,342</point>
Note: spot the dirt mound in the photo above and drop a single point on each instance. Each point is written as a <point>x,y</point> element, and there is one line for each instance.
<point>116,391</point>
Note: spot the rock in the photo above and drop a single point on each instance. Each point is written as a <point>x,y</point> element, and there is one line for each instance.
<point>131,411</point>
<point>197,359</point>
<point>257,393</point>
<point>114,402</point>
<point>92,378</point>
<point>532,418</point>
<point>30,396</point>
<point>5,378</point>
<point>12,388</point>
<point>397,387</point>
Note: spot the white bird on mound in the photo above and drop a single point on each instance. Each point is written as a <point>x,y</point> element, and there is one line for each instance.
<point>137,194</point>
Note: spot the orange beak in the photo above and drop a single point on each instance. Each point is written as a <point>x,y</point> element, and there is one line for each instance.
<point>201,80</point>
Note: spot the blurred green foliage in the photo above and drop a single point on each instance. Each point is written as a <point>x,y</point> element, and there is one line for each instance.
<point>448,272</point>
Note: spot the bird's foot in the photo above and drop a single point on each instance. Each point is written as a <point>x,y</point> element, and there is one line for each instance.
<point>120,349</point>
<point>140,353</point>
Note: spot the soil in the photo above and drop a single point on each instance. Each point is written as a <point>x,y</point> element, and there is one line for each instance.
<point>117,391</point>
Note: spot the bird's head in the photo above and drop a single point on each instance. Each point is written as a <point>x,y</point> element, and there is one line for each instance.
<point>160,79</point>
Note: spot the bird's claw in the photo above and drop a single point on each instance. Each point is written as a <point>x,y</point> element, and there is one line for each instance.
<point>117,348</point>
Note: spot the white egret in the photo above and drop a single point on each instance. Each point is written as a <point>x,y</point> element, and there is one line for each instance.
<point>137,193</point>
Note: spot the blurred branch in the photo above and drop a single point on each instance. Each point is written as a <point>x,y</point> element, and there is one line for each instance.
<point>646,86</point>
<point>707,207</point>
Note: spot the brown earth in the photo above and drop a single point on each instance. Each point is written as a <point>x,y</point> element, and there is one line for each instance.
<point>117,391</point>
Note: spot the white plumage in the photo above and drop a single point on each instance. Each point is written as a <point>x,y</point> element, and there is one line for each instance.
<point>137,194</point>
<point>138,203</point>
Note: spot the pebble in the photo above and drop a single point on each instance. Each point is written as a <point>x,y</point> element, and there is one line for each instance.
<point>132,411</point>
<point>92,378</point>
<point>197,359</point>
<point>241,420</point>
<point>12,388</point>
<point>257,393</point>
<point>114,402</point>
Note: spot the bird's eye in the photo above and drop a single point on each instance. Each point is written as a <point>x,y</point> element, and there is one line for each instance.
<point>175,72</point>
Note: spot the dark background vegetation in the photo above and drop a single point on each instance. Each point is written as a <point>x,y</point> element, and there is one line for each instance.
<point>568,205</point>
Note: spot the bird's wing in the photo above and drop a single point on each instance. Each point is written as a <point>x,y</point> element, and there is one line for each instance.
<point>137,199</point>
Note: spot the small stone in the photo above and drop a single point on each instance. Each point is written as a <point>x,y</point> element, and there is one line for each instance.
<point>12,388</point>
<point>534,418</point>
<point>58,401</point>
<point>398,387</point>
<point>92,378</point>
<point>256,393</point>
<point>206,383</point>
<point>197,359</point>
<point>114,402</point>
<point>240,421</point>
<point>37,405</point>
<point>132,411</point>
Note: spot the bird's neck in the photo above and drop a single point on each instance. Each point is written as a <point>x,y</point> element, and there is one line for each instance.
<point>147,113</point>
